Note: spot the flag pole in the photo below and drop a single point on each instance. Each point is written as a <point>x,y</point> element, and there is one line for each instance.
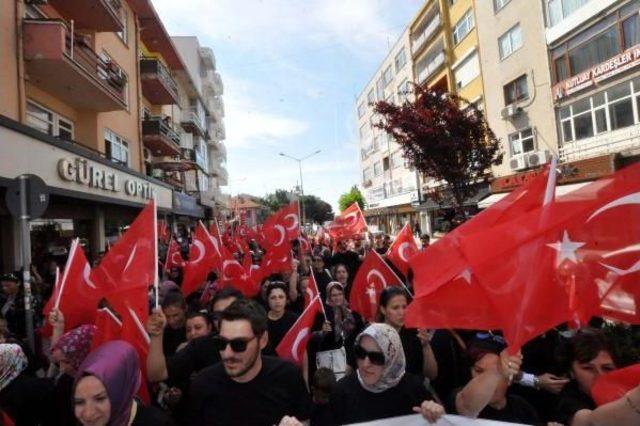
<point>321,301</point>
<point>72,253</point>
<point>394,273</point>
<point>156,283</point>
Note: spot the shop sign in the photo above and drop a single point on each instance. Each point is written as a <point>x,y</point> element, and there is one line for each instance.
<point>94,176</point>
<point>603,71</point>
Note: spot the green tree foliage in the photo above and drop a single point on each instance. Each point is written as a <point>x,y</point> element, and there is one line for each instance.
<point>316,210</point>
<point>353,196</point>
<point>276,200</point>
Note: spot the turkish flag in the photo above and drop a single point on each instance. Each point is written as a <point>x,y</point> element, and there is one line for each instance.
<point>349,224</point>
<point>163,231</point>
<point>174,257</point>
<point>75,292</point>
<point>134,333</point>
<point>404,247</point>
<point>132,261</point>
<point>205,255</point>
<point>555,263</point>
<point>289,217</point>
<point>443,261</point>
<point>235,274</point>
<point>294,343</point>
<point>373,276</point>
<point>305,246</point>
<point>312,290</point>
<point>612,386</point>
<point>108,327</point>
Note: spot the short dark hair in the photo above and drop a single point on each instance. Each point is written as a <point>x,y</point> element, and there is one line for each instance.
<point>174,298</point>
<point>277,285</point>
<point>203,314</point>
<point>323,382</point>
<point>585,346</point>
<point>482,344</point>
<point>226,293</point>
<point>425,237</point>
<point>249,310</point>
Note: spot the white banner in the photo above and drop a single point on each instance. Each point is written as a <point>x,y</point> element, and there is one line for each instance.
<point>447,420</point>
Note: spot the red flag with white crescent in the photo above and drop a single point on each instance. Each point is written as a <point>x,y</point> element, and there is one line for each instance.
<point>205,255</point>
<point>404,247</point>
<point>294,343</point>
<point>174,256</point>
<point>373,276</point>
<point>349,224</point>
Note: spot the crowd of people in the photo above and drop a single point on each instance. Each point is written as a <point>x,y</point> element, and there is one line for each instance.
<point>212,359</point>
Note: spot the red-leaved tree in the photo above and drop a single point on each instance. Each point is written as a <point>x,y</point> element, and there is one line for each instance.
<point>444,137</point>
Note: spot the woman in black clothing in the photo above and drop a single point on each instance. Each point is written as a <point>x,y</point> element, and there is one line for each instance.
<point>380,388</point>
<point>280,319</point>
<point>105,387</point>
<point>12,304</point>
<point>25,399</point>
<point>416,343</point>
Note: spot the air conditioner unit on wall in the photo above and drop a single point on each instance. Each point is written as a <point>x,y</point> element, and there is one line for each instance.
<point>146,154</point>
<point>517,163</point>
<point>538,158</point>
<point>510,111</point>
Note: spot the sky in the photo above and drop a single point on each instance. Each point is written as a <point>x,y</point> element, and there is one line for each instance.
<point>292,70</point>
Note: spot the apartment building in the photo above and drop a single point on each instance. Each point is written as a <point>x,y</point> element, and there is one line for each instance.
<point>91,104</point>
<point>389,186</point>
<point>208,144</point>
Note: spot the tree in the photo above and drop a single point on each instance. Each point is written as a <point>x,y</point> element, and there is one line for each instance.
<point>353,196</point>
<point>316,210</point>
<point>277,199</point>
<point>444,137</point>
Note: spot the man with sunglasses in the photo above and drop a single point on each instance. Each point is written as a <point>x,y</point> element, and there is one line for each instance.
<point>247,388</point>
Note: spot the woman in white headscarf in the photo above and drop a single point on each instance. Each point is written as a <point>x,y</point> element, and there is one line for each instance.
<point>381,387</point>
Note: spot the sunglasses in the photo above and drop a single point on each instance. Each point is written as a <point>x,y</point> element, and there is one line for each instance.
<point>375,357</point>
<point>237,345</point>
<point>495,337</point>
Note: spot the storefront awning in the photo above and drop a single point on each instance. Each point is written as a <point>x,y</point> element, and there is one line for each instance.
<point>431,204</point>
<point>560,190</point>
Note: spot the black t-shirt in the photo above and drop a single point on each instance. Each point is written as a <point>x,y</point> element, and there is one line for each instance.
<point>322,279</point>
<point>172,338</point>
<point>62,401</point>
<point>412,351</point>
<point>517,410</point>
<point>151,416</point>
<point>277,329</point>
<point>277,391</point>
<point>197,355</point>
<point>21,398</point>
<point>351,403</point>
<point>453,370</point>
<point>570,401</point>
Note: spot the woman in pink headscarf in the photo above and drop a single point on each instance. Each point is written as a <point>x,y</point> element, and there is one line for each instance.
<point>105,388</point>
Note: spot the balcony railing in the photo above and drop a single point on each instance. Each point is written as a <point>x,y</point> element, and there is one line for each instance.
<point>158,86</point>
<point>63,63</point>
<point>192,120</point>
<point>426,34</point>
<point>607,143</point>
<point>98,15</point>
<point>160,137</point>
<point>431,67</point>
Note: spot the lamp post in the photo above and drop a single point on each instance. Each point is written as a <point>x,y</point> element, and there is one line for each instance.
<point>300,160</point>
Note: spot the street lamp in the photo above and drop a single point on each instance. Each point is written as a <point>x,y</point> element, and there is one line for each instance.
<point>300,160</point>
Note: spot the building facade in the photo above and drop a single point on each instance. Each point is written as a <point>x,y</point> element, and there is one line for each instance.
<point>389,186</point>
<point>92,103</point>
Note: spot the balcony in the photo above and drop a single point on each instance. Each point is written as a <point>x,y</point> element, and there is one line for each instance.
<point>216,107</point>
<point>421,41</point>
<point>192,121</point>
<point>207,56</point>
<point>96,15</point>
<point>63,64</point>
<point>627,139</point>
<point>431,68</point>
<point>217,131</point>
<point>160,138</point>
<point>201,161</point>
<point>217,169</point>
<point>212,84</point>
<point>158,86</point>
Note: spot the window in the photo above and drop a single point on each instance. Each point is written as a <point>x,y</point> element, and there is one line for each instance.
<point>596,50</point>
<point>49,122</point>
<point>387,76</point>
<point>516,90</point>
<point>396,159</point>
<point>380,88</point>
<point>391,98</point>
<point>607,110</point>
<point>401,60</point>
<point>403,90</point>
<point>510,41</point>
<point>366,174</point>
<point>123,35</point>
<point>631,31</point>
<point>365,131</point>
<point>377,168</point>
<point>361,110</point>
<point>116,148</point>
<point>560,9</point>
<point>521,142</point>
<point>467,71</point>
<point>371,96</point>
<point>463,27</point>
<point>499,4</point>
